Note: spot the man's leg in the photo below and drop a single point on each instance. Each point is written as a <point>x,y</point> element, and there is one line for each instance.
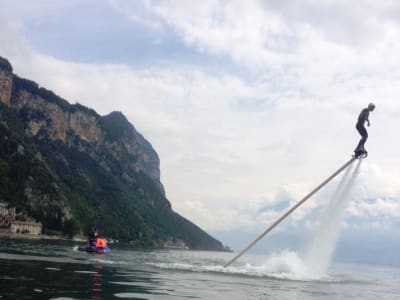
<point>364,136</point>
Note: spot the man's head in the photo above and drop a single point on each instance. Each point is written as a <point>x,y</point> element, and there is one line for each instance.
<point>371,106</point>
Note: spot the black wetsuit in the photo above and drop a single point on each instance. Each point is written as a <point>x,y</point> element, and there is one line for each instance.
<point>361,129</point>
<point>92,239</point>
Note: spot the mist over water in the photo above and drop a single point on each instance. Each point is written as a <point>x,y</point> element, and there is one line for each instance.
<point>319,253</point>
<point>313,265</point>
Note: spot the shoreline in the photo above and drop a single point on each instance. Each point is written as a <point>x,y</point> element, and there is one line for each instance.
<point>26,236</point>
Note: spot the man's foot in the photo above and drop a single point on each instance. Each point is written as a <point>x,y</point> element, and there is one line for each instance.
<point>360,154</point>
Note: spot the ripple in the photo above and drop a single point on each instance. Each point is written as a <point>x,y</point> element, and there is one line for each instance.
<point>52,269</point>
<point>85,272</point>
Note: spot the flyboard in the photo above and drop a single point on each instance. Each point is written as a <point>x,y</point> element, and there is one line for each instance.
<point>360,152</point>
<point>357,155</point>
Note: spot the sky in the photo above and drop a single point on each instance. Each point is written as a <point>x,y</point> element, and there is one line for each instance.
<point>249,104</point>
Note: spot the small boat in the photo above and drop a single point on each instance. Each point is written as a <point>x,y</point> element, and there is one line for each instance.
<point>100,246</point>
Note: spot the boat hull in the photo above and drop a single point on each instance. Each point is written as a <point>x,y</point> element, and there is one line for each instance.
<point>94,249</point>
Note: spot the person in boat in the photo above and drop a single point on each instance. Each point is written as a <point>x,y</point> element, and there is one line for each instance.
<point>96,241</point>
<point>360,126</point>
<point>93,235</point>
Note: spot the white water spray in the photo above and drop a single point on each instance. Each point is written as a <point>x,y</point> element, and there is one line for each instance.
<point>320,252</point>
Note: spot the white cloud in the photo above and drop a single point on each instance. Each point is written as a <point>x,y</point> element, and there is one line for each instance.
<point>318,38</point>
<point>380,207</point>
<point>140,15</point>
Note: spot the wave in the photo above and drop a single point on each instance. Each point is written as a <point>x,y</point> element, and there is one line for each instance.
<point>108,261</point>
<point>285,265</point>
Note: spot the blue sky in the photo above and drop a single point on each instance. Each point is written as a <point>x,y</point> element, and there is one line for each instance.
<point>249,104</point>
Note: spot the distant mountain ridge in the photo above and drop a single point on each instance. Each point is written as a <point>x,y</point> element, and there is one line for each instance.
<point>67,166</point>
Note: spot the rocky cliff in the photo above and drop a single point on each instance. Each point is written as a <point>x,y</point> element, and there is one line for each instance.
<point>45,113</point>
<point>69,167</point>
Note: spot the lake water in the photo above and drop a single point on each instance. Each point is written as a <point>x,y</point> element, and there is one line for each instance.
<point>56,270</point>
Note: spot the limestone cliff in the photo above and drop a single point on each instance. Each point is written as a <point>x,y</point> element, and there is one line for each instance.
<point>47,114</point>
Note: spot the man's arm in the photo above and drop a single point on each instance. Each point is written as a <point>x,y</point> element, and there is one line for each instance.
<point>365,116</point>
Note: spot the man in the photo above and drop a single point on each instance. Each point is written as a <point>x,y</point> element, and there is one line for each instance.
<point>362,118</point>
<point>93,235</point>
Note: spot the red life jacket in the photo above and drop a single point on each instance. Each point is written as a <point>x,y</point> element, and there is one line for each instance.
<point>101,243</point>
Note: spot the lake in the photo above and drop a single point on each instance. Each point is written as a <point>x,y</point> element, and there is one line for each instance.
<point>57,270</point>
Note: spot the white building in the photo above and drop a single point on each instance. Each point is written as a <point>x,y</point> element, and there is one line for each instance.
<point>26,227</point>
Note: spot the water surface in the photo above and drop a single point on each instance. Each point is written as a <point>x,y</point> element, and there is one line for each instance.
<point>56,270</point>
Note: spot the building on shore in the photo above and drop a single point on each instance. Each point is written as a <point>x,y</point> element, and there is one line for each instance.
<point>175,244</point>
<point>26,227</point>
<point>9,224</point>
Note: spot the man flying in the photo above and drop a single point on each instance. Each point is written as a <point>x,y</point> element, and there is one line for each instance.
<point>362,118</point>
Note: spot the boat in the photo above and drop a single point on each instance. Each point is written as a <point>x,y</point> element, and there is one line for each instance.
<point>99,246</point>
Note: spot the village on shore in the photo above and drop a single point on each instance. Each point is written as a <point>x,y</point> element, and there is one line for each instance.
<point>16,226</point>
<point>11,226</point>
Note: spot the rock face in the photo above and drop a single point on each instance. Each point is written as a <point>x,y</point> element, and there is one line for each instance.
<point>72,169</point>
<point>122,139</point>
<point>46,113</point>
<point>42,115</point>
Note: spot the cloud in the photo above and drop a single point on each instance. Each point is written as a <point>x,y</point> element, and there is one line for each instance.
<point>141,14</point>
<point>263,35</point>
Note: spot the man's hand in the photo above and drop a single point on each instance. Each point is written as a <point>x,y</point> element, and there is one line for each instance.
<point>368,123</point>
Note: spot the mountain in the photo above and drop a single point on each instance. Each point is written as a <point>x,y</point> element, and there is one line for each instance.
<point>72,169</point>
